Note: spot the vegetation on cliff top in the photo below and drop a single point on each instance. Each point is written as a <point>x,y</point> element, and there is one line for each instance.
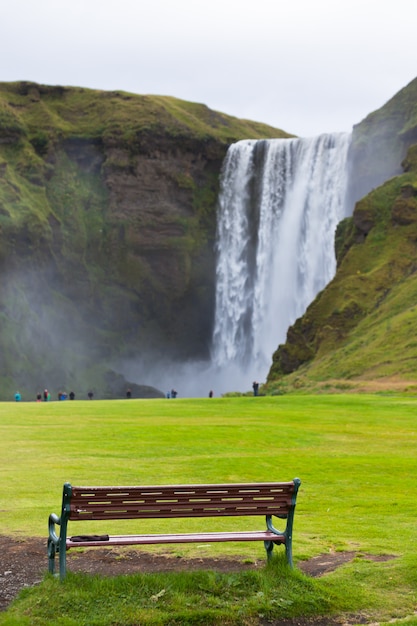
<point>42,113</point>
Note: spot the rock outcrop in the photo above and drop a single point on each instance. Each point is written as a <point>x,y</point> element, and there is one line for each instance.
<point>376,262</point>
<point>381,141</point>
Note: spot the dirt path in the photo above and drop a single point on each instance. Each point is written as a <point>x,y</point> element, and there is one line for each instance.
<point>24,563</point>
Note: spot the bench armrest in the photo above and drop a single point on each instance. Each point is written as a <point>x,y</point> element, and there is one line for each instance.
<point>58,543</point>
<point>52,522</point>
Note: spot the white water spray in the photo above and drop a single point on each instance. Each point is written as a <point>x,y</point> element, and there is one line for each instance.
<point>279,206</point>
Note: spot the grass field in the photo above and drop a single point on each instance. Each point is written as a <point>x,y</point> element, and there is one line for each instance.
<point>355,455</point>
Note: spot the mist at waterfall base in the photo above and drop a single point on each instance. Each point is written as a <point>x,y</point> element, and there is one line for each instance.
<point>279,204</point>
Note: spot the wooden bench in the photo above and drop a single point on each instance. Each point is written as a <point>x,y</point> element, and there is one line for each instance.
<point>176,501</point>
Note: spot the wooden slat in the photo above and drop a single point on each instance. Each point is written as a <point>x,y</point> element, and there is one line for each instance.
<point>176,495</point>
<point>172,509</point>
<point>165,504</point>
<point>187,489</point>
<point>172,514</point>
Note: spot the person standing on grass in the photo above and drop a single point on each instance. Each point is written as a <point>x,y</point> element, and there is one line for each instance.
<point>17,396</point>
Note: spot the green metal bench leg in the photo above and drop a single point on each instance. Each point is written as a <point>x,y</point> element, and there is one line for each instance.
<point>51,556</point>
<point>288,552</point>
<point>62,561</point>
<point>54,549</point>
<point>269,547</point>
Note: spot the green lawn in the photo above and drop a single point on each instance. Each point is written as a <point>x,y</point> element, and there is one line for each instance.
<point>355,455</point>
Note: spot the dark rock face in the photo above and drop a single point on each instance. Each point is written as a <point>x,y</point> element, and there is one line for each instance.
<point>404,210</point>
<point>158,247</point>
<point>363,218</point>
<point>123,243</point>
<point>380,143</point>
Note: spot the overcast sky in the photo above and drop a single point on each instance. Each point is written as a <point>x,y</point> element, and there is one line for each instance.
<point>306,66</point>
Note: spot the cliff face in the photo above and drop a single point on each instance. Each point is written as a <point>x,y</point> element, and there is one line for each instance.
<point>361,326</point>
<point>107,220</point>
<point>381,141</point>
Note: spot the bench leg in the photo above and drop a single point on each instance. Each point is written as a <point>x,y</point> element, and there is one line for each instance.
<point>62,552</point>
<point>288,552</point>
<point>51,556</point>
<point>269,547</point>
<point>53,549</point>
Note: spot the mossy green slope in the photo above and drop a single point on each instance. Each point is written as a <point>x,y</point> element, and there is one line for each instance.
<point>42,113</point>
<point>362,326</point>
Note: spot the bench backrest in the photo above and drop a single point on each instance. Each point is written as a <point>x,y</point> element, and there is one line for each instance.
<point>98,503</point>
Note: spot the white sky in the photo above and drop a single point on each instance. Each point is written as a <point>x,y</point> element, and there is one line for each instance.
<point>306,66</point>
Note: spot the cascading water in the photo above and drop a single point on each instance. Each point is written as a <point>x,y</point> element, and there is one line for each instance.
<point>279,205</point>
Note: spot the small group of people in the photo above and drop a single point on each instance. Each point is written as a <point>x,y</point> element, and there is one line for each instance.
<point>46,396</point>
<point>172,394</point>
<point>63,395</point>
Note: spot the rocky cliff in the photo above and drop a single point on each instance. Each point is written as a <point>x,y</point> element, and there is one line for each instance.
<point>362,325</point>
<point>107,220</point>
<point>381,141</point>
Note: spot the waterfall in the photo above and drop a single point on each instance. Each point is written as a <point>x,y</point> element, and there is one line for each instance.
<point>279,204</point>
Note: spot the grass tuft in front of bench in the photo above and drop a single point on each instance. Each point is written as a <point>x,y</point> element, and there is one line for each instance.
<point>173,501</point>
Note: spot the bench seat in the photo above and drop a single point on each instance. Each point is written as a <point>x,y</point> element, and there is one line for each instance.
<point>127,540</point>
